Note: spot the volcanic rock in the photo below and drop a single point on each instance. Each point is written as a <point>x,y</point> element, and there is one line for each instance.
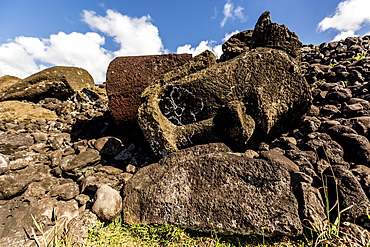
<point>55,82</point>
<point>353,202</point>
<point>236,45</point>
<point>209,188</point>
<point>263,92</point>
<point>127,77</point>
<point>108,203</point>
<point>273,35</point>
<point>6,81</point>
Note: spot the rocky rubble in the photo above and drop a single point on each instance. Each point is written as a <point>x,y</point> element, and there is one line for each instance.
<point>62,158</point>
<point>55,154</point>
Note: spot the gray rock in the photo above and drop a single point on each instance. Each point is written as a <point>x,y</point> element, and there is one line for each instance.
<point>9,143</point>
<point>104,176</point>
<point>108,203</point>
<point>280,160</point>
<point>311,206</point>
<point>65,191</point>
<point>362,174</point>
<point>325,147</point>
<point>352,199</point>
<point>16,220</point>
<point>19,163</point>
<point>66,209</point>
<point>40,137</point>
<point>35,189</point>
<point>16,183</point>
<point>108,145</point>
<point>208,188</point>
<point>80,226</point>
<point>4,164</point>
<point>74,164</point>
<point>59,141</point>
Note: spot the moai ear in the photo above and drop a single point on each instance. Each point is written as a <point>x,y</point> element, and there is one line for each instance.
<point>233,125</point>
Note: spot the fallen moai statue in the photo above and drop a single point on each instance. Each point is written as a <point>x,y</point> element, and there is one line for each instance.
<point>250,98</point>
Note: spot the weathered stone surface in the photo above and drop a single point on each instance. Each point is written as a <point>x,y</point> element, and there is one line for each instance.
<point>10,142</point>
<point>108,203</point>
<point>16,220</point>
<point>4,164</point>
<point>311,206</point>
<point>265,34</point>
<point>274,157</point>
<point>5,82</point>
<point>108,145</point>
<point>23,112</point>
<point>74,164</point>
<point>326,148</point>
<point>59,141</point>
<point>80,227</point>
<point>65,191</point>
<point>127,77</point>
<point>236,45</point>
<point>261,91</point>
<point>58,82</point>
<point>16,183</point>
<point>90,184</point>
<point>362,174</point>
<point>357,147</point>
<point>352,199</point>
<point>209,188</point>
<point>273,35</point>
<point>176,114</point>
<point>66,209</point>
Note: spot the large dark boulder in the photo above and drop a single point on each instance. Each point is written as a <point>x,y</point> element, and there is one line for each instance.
<point>208,188</point>
<point>346,196</point>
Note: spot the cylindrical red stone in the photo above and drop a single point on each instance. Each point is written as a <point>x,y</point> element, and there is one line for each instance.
<point>127,77</point>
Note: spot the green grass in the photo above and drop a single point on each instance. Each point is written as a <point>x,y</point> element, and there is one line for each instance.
<point>118,234</point>
<point>360,55</point>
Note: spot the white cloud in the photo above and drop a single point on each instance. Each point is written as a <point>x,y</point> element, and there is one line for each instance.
<point>228,35</point>
<point>349,17</point>
<point>344,35</point>
<point>24,56</point>
<point>15,60</point>
<point>136,36</point>
<point>230,12</point>
<point>205,45</point>
<point>27,55</point>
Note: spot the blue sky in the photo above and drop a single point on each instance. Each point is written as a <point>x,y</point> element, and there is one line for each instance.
<point>35,34</point>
